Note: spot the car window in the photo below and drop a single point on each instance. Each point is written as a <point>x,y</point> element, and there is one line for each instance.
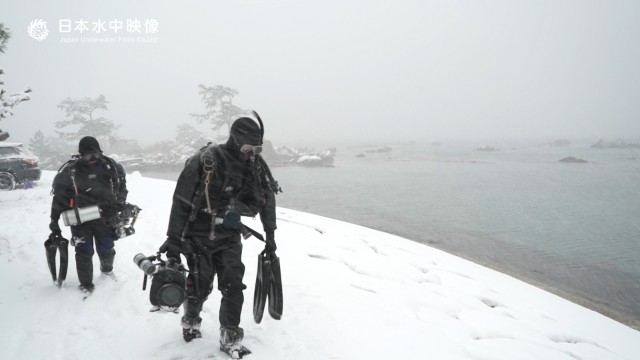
<point>7,151</point>
<point>25,151</point>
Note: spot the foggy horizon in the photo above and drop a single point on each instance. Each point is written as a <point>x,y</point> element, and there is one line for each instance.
<point>330,73</point>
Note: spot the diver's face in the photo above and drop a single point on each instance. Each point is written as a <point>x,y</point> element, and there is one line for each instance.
<point>91,158</point>
<point>248,151</point>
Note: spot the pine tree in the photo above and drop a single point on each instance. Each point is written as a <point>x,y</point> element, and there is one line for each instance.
<point>38,144</point>
<point>221,112</point>
<point>187,134</point>
<point>52,151</point>
<point>8,102</point>
<point>80,119</point>
<point>4,37</point>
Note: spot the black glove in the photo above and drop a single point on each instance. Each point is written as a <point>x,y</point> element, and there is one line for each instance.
<point>55,228</point>
<point>271,241</point>
<point>231,220</point>
<point>172,248</point>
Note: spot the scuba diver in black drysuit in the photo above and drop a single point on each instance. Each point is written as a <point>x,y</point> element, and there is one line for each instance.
<point>91,179</point>
<point>218,185</point>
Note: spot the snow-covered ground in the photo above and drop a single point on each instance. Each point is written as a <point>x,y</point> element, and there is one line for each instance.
<point>350,293</point>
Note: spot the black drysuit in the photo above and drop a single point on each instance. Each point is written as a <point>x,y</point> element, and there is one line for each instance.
<point>102,184</point>
<point>234,183</point>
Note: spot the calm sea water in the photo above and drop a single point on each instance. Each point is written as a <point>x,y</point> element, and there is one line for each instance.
<point>573,229</point>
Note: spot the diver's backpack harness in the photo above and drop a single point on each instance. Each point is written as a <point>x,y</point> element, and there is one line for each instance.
<point>121,223</point>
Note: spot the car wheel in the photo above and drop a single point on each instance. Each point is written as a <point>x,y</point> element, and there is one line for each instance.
<point>7,181</point>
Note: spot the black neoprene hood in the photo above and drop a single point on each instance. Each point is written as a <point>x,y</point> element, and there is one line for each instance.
<point>244,131</point>
<point>88,144</point>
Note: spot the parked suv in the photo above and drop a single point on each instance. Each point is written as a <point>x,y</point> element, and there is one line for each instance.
<point>17,166</point>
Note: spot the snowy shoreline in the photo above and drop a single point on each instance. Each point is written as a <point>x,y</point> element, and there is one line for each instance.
<point>580,300</point>
<point>339,279</point>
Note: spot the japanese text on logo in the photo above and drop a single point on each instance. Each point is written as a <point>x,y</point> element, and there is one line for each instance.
<point>131,26</point>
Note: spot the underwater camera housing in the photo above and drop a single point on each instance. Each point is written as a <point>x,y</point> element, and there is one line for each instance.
<point>168,279</point>
<point>122,222</point>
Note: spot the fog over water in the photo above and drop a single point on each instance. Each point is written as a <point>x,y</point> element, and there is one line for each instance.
<point>338,71</point>
<point>570,228</point>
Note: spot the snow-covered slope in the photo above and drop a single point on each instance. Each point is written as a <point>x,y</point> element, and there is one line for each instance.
<point>350,293</point>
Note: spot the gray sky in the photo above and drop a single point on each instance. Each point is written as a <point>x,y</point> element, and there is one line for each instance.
<point>333,71</point>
